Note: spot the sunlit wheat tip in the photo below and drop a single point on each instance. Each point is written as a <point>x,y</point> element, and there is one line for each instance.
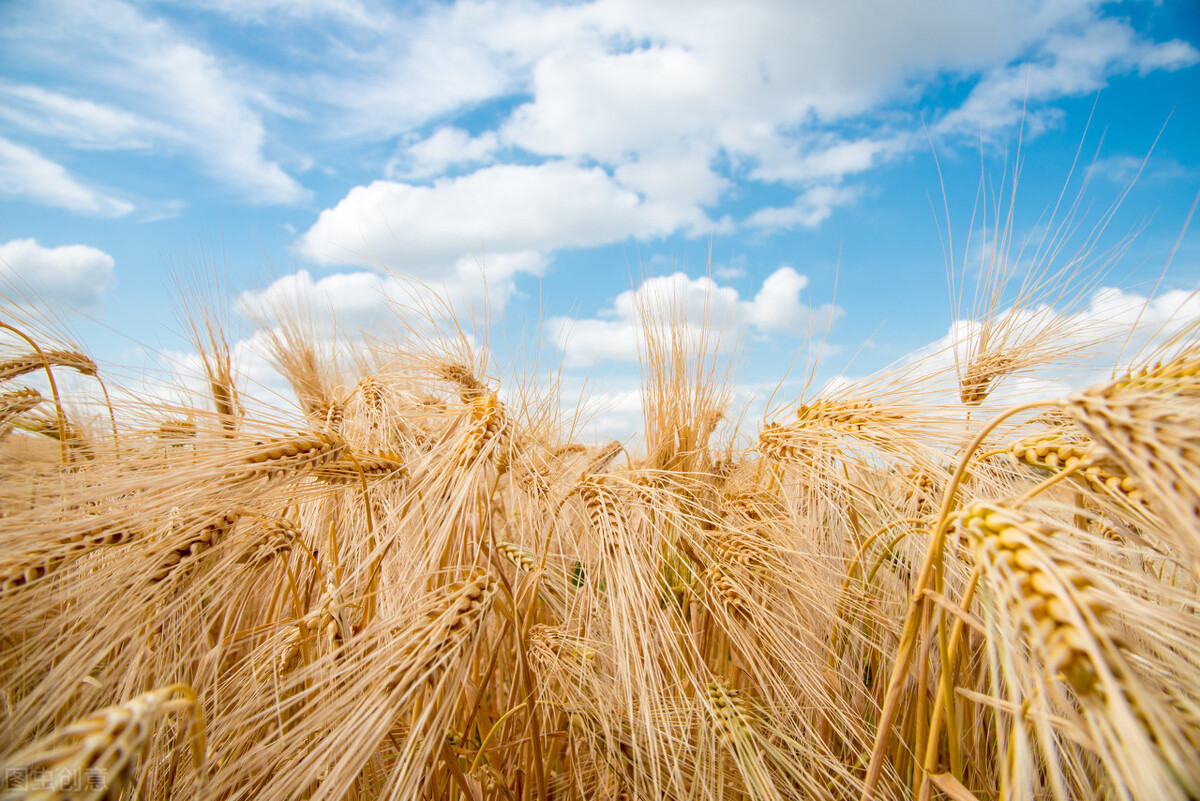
<point>27,363</point>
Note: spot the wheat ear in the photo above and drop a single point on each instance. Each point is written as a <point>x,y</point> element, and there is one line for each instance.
<point>281,456</point>
<point>105,745</point>
<point>30,362</point>
<point>1062,618</point>
<point>351,468</point>
<point>18,402</point>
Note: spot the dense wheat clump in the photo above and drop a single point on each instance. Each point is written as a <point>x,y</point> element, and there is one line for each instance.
<point>419,581</point>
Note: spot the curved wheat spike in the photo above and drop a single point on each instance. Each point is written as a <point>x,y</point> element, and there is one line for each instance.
<point>177,431</point>
<point>470,388</point>
<point>20,365</point>
<point>1063,618</point>
<point>18,402</point>
<point>1148,423</point>
<point>373,466</point>
<point>1062,614</point>
<point>102,749</point>
<point>488,423</point>
<point>191,539</point>
<point>735,725</point>
<point>279,457</point>
<point>977,380</point>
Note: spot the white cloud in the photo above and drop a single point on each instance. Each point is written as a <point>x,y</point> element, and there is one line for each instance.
<point>77,276</point>
<point>826,157</point>
<point>264,12</point>
<point>1069,63</point>
<point>446,147</point>
<point>363,299</point>
<point>81,123</point>
<point>28,174</point>
<point>410,68</point>
<point>496,210</point>
<point>811,208</point>
<point>668,98</point>
<point>604,105</point>
<point>1124,169</point>
<point>736,268</point>
<point>679,176</point>
<point>147,83</point>
<point>777,309</point>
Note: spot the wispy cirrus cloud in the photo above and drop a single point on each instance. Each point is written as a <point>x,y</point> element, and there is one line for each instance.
<point>27,174</point>
<point>149,87</point>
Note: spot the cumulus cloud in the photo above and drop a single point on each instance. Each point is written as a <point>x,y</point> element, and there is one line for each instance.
<point>778,308</point>
<point>77,276</point>
<point>28,174</point>
<point>665,98</point>
<point>361,298</point>
<point>678,176</point>
<point>501,214</point>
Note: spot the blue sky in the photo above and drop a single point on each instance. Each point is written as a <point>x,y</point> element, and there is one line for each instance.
<point>563,158</point>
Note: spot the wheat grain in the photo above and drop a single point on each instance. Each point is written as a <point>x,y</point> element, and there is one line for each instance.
<point>452,617</point>
<point>853,416</point>
<point>603,458</point>
<point>777,443</point>
<point>328,415</point>
<point>177,429</point>
<point>520,556</point>
<point>602,504</point>
<point>1148,424</point>
<point>469,386</point>
<point>22,569</point>
<point>723,588</point>
<point>1055,452</point>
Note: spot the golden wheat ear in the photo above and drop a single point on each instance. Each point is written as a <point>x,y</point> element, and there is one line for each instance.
<point>28,363</point>
<point>1148,425</point>
<point>97,756</point>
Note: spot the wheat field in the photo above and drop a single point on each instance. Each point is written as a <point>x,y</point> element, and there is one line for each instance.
<point>428,585</point>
